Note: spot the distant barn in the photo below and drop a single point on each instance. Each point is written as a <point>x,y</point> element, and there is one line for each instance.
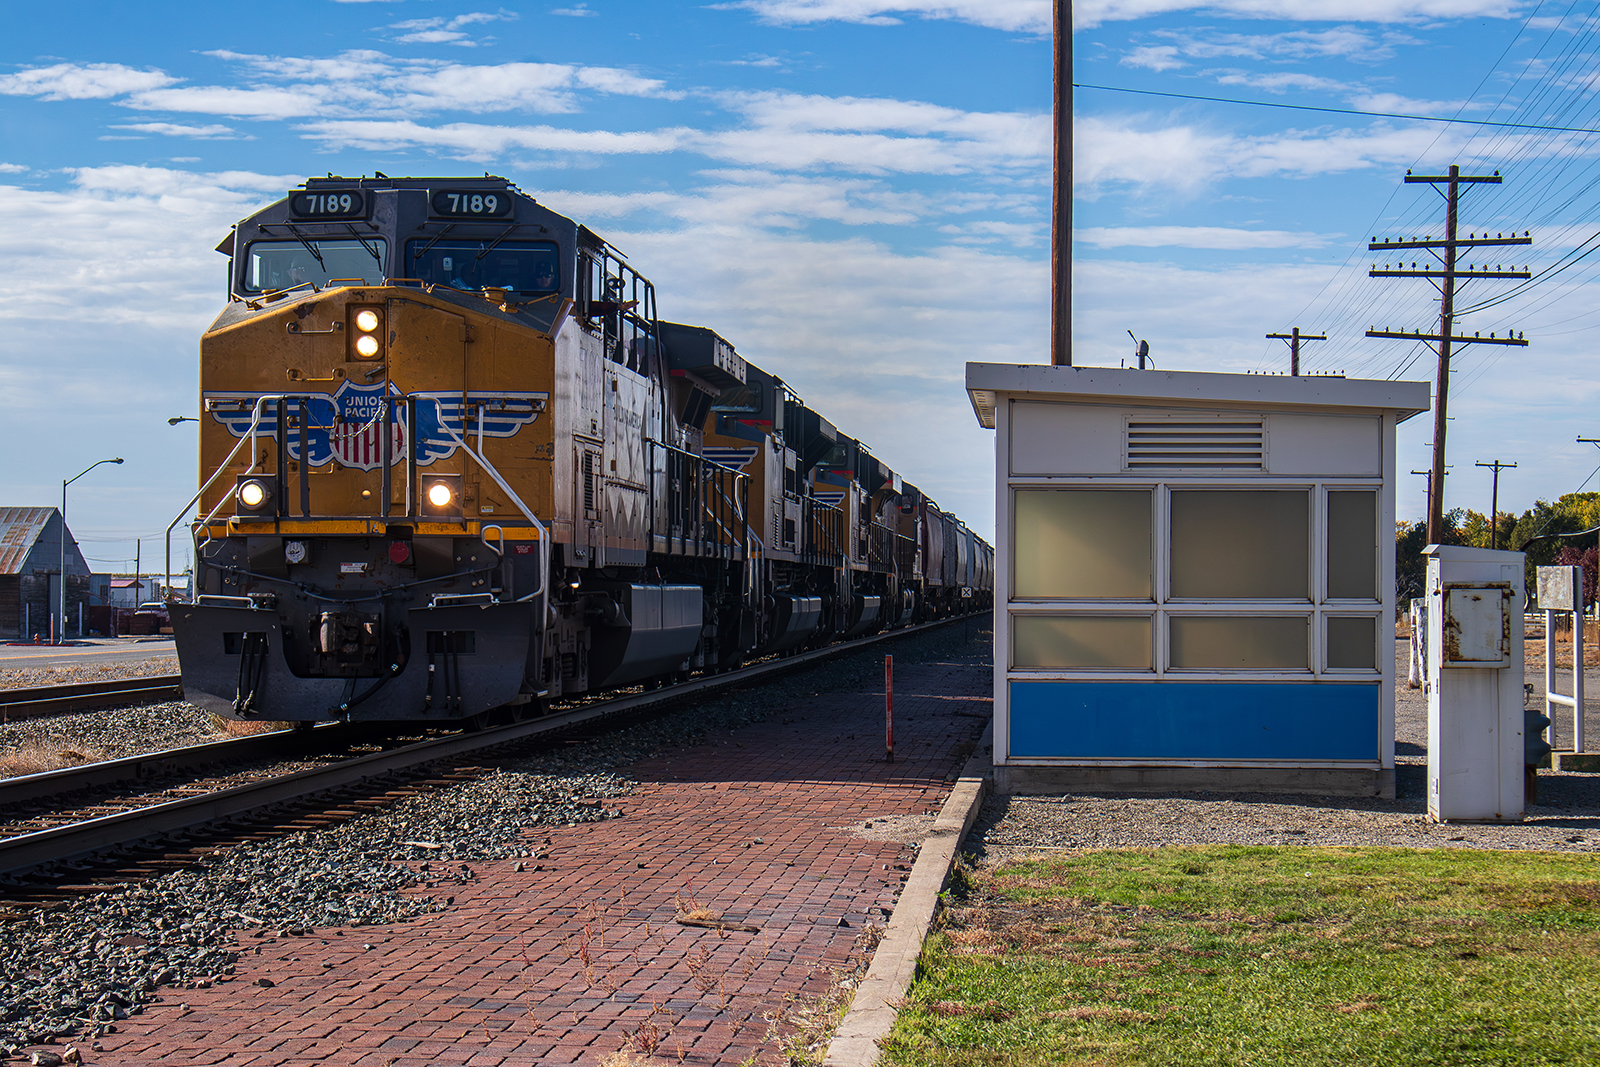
<point>30,573</point>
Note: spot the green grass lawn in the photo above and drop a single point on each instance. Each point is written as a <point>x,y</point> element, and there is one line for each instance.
<point>1228,955</point>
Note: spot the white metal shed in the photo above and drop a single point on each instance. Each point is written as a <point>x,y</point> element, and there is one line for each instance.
<point>1194,578</point>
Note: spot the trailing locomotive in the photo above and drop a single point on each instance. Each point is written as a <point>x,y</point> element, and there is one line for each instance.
<point>452,461</point>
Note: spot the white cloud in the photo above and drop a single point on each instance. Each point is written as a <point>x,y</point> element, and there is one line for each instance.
<point>1154,57</point>
<point>1197,237</point>
<point>13,168</point>
<point>447,31</point>
<point>1347,42</point>
<point>1088,14</point>
<point>784,131</point>
<point>89,81</point>
<point>1283,82</point>
<point>262,103</point>
<point>362,83</point>
<point>763,200</point>
<point>580,12</point>
<point>1147,154</point>
<point>117,270</point>
<point>1031,16</point>
<point>481,143</point>
<point>172,129</point>
<point>1405,105</point>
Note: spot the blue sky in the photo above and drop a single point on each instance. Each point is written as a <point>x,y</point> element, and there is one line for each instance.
<point>855,192</point>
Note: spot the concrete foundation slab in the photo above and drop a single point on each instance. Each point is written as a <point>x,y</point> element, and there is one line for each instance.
<point>1334,781</point>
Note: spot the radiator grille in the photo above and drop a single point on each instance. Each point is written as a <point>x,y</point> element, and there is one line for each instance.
<point>1200,445</point>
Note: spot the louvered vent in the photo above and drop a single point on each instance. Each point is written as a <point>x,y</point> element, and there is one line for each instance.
<point>1209,444</point>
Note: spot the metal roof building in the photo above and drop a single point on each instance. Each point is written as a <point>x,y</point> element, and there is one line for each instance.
<point>30,568</point>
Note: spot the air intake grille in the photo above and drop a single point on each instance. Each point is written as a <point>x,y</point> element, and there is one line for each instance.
<point>1207,444</point>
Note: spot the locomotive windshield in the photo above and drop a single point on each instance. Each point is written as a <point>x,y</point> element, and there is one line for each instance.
<point>281,264</point>
<point>520,266</point>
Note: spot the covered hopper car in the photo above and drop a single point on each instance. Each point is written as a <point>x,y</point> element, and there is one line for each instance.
<point>452,460</point>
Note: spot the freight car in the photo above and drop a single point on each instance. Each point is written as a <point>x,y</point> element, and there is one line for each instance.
<point>452,460</point>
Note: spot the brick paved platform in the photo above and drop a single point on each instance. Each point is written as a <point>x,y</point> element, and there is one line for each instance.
<point>567,961</point>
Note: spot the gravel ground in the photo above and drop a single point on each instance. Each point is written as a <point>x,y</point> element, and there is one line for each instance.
<point>76,969</point>
<point>1567,817</point>
<point>104,733</point>
<point>28,677</point>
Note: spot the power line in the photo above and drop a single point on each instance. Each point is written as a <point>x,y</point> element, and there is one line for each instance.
<point>1341,110</point>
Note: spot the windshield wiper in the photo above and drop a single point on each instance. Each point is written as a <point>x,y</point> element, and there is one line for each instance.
<point>373,252</point>
<point>298,236</point>
<point>497,240</point>
<point>418,254</point>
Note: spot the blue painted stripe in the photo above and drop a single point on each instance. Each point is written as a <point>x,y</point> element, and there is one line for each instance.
<point>1195,720</point>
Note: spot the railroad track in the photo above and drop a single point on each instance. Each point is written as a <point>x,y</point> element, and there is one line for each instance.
<point>54,699</point>
<point>26,855</point>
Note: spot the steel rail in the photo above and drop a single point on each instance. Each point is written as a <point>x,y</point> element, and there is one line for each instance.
<point>50,699</point>
<point>81,840</point>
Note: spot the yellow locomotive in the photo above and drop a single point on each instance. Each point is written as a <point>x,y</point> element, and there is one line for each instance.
<point>453,461</point>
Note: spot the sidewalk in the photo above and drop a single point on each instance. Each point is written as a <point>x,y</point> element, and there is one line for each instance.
<point>581,954</point>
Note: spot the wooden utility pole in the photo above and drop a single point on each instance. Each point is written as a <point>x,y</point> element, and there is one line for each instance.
<point>1494,498</point>
<point>1061,195</point>
<point>1294,338</point>
<point>1445,280</point>
<point>1428,489</point>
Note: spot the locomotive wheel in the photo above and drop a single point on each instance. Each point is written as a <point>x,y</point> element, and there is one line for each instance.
<point>474,723</point>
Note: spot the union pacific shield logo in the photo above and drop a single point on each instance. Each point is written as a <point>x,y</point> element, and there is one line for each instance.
<point>347,425</point>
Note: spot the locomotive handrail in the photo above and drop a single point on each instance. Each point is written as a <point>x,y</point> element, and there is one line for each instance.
<point>255,420</point>
<point>544,534</point>
<point>736,472</point>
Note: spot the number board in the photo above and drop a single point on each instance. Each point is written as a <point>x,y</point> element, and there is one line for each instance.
<point>467,203</point>
<point>335,204</point>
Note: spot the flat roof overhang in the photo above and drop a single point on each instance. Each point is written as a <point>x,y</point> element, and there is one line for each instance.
<point>1103,385</point>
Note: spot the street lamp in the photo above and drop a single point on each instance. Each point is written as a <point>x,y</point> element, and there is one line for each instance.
<point>180,418</point>
<point>61,634</point>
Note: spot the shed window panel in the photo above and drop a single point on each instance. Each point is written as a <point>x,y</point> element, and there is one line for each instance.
<point>1353,545</point>
<point>1251,544</point>
<point>1240,642</point>
<point>1352,643</point>
<point>1086,543</point>
<point>1081,641</point>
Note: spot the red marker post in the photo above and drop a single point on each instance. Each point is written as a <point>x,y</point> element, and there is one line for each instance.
<point>888,708</point>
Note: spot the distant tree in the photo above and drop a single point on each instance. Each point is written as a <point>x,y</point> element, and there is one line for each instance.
<point>1410,565</point>
<point>1476,533</point>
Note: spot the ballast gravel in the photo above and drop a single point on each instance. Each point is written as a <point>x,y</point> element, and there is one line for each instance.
<point>76,969</point>
<point>1566,817</point>
<point>103,733</point>
<point>97,669</point>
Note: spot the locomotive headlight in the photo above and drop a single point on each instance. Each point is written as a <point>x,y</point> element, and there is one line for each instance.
<point>365,332</point>
<point>255,496</point>
<point>441,495</point>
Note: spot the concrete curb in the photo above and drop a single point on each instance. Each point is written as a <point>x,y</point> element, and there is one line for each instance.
<point>872,1012</point>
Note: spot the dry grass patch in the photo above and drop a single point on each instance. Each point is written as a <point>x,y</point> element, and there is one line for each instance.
<point>241,728</point>
<point>36,757</point>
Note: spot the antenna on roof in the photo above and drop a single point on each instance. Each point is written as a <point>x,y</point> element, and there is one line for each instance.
<point>1142,350</point>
